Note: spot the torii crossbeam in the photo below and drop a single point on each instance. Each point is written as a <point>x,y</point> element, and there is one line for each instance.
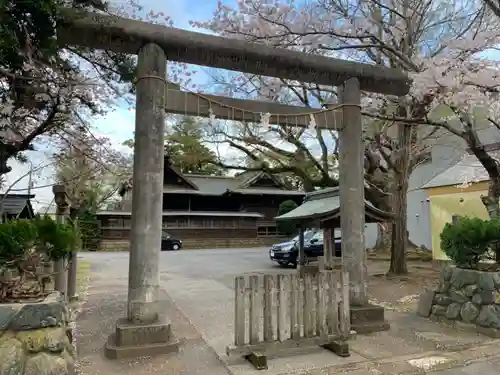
<point>144,331</point>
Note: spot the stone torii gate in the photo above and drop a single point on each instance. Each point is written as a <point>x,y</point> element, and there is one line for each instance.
<point>145,331</point>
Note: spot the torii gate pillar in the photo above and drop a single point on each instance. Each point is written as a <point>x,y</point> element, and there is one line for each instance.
<point>365,318</point>
<point>145,331</point>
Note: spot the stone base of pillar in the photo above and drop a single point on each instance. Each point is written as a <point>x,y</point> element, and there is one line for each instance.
<point>368,319</point>
<point>132,340</point>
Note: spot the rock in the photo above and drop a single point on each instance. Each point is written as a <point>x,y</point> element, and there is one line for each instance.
<point>445,273</point>
<point>442,299</point>
<point>425,303</point>
<point>438,310</point>
<point>444,287</point>
<point>485,297</point>
<point>461,277</point>
<point>458,296</point>
<point>12,358</point>
<point>469,290</point>
<point>496,279</point>
<point>485,281</point>
<point>7,312</point>
<point>38,315</point>
<point>469,312</point>
<point>46,364</point>
<point>50,339</point>
<point>453,311</point>
<point>489,316</point>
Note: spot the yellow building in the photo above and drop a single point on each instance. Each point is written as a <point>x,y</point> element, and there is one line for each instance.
<point>457,191</point>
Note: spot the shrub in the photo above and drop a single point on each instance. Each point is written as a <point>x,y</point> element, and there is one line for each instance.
<point>469,240</point>
<point>56,240</point>
<point>286,227</point>
<point>22,239</point>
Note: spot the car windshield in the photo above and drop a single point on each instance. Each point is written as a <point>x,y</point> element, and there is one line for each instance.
<point>308,234</point>
<point>318,236</point>
<point>165,234</point>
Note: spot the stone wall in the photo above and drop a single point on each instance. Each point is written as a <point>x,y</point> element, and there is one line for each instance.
<point>207,243</point>
<point>35,338</point>
<point>468,296</point>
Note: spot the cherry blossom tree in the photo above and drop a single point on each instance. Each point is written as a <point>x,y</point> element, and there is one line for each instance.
<point>46,90</point>
<point>396,33</point>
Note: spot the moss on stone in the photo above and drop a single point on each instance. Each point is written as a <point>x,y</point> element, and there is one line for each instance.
<point>51,339</point>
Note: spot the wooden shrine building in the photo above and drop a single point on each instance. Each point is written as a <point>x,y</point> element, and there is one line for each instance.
<point>210,211</point>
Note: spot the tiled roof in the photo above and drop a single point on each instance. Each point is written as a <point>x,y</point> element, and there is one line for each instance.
<point>240,184</point>
<point>14,204</point>
<point>466,170</point>
<point>325,204</point>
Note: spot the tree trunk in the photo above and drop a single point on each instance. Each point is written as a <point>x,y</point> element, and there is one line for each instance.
<point>384,237</point>
<point>400,204</point>
<point>491,202</point>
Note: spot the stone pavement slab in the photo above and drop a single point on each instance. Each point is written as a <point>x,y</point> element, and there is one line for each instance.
<point>105,303</point>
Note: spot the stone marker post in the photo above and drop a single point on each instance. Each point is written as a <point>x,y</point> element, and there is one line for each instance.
<point>62,210</point>
<point>364,317</point>
<point>73,265</point>
<point>145,331</point>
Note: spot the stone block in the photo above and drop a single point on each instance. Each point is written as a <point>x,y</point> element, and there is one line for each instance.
<point>130,334</point>
<point>461,277</point>
<point>34,340</point>
<point>453,311</point>
<point>442,299</point>
<point>368,319</point>
<point>487,297</point>
<point>446,272</point>
<point>458,296</point>
<point>469,290</point>
<point>112,351</point>
<point>438,310</point>
<point>132,340</point>
<point>425,303</point>
<point>485,281</point>
<point>469,312</point>
<point>489,317</point>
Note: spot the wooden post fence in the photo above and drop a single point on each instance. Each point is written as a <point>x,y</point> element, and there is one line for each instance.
<point>276,312</point>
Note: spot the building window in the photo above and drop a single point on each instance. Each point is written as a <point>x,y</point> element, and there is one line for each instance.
<point>127,223</point>
<point>266,231</point>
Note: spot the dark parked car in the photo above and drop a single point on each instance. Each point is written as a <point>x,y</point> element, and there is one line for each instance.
<point>170,243</point>
<point>287,253</point>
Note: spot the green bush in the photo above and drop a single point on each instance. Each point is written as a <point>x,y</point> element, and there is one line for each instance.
<point>22,239</point>
<point>56,240</point>
<point>469,240</point>
<point>286,227</point>
<point>17,238</point>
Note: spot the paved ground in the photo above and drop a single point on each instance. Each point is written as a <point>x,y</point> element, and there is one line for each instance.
<point>200,305</point>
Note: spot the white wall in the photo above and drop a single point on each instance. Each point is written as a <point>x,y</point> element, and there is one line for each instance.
<point>447,151</point>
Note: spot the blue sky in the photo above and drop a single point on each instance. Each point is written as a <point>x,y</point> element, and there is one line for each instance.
<point>118,124</point>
